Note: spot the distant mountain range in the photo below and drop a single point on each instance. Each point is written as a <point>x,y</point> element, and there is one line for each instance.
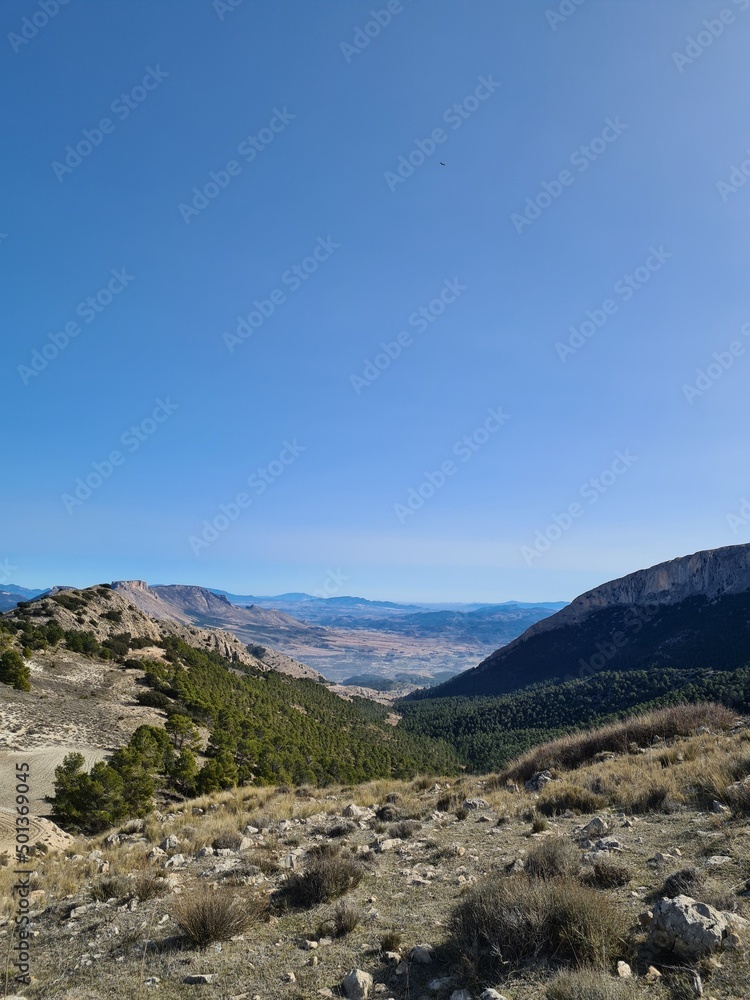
<point>348,635</point>
<point>691,612</point>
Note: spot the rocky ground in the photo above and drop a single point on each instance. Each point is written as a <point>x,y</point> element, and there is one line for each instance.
<point>107,920</point>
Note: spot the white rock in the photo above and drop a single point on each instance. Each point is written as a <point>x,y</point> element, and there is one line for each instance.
<point>352,811</point>
<point>490,994</point>
<point>623,970</point>
<point>597,827</point>
<point>357,984</point>
<point>389,844</point>
<point>476,804</point>
<point>460,995</point>
<point>691,929</point>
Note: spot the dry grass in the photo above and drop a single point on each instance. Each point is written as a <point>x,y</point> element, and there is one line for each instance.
<point>570,752</point>
<point>553,857</point>
<point>208,915</point>
<point>606,874</point>
<point>523,921</point>
<point>589,984</point>
<point>326,877</point>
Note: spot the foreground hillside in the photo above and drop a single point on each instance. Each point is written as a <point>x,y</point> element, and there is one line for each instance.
<point>621,872</point>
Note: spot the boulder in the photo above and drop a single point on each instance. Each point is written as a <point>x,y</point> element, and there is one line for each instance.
<point>476,803</point>
<point>691,929</point>
<point>422,954</point>
<point>597,827</point>
<point>357,984</point>
<point>537,781</point>
<point>352,811</point>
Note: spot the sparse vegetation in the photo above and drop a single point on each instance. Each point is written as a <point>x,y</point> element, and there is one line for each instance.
<point>553,857</point>
<point>209,915</point>
<point>326,877</point>
<point>521,921</point>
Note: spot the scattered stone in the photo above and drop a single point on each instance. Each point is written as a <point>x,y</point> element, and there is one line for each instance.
<point>624,971</point>
<point>476,804</point>
<point>597,827</point>
<point>652,973</point>
<point>357,984</point>
<point>352,811</point>
<point>490,994</point>
<point>152,981</point>
<point>199,980</point>
<point>289,977</point>
<point>175,860</point>
<point>436,985</point>
<point>537,781</point>
<point>170,843</point>
<point>609,844</point>
<point>716,860</point>
<point>460,995</point>
<point>422,954</point>
<point>389,844</point>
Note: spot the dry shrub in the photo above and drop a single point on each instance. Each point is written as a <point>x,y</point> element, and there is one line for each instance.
<point>608,875</point>
<point>520,921</point>
<point>342,830</point>
<point>208,915</point>
<point>325,877</point>
<point>227,840</point>
<point>405,829</point>
<point>738,798</point>
<point>539,824</point>
<point>560,797</point>
<point>685,882</point>
<point>111,887</point>
<point>390,940</point>
<point>553,858</point>
<point>149,884</point>
<point>346,917</point>
<point>588,984</point>
<point>388,813</point>
<point>570,752</point>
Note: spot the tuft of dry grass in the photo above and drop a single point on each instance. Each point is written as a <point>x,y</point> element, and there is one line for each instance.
<point>589,984</point>
<point>553,857</point>
<point>524,921</point>
<point>326,877</point>
<point>208,915</point>
<point>390,940</point>
<point>608,875</point>
<point>346,916</point>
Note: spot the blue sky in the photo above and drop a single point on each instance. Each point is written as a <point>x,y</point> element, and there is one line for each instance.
<point>279,459</point>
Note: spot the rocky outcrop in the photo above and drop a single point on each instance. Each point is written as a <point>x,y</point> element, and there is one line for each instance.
<point>691,929</point>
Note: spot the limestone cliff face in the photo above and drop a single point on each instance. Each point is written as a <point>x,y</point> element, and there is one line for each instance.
<point>710,574</point>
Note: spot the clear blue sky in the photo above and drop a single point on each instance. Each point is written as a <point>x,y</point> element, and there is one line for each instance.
<point>185,87</point>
